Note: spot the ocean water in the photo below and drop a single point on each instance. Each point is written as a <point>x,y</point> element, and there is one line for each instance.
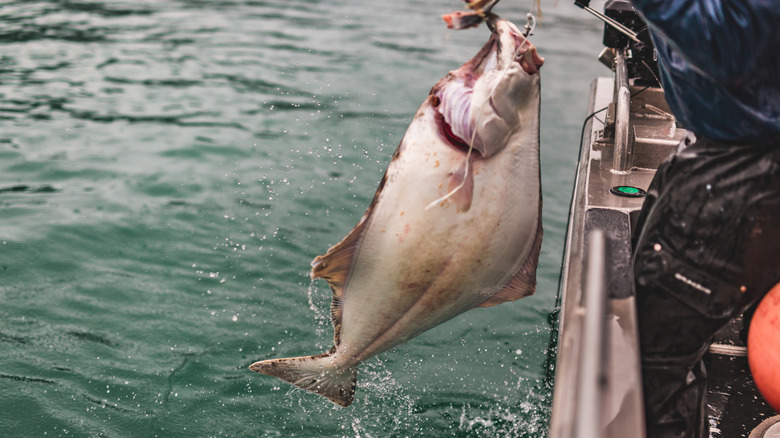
<point>169,168</point>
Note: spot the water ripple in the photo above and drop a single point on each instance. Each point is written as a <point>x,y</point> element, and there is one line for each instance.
<point>169,169</point>
<point>27,379</point>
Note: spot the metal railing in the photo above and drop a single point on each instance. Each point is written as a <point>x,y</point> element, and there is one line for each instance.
<point>620,159</point>
<point>593,352</point>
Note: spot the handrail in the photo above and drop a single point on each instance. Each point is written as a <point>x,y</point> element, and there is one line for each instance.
<point>592,360</point>
<point>620,162</point>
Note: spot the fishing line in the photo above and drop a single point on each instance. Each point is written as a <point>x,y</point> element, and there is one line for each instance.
<point>529,27</point>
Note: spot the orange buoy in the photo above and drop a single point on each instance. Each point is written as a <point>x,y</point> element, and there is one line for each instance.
<point>764,347</point>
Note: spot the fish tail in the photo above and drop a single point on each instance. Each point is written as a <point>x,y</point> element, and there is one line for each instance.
<point>318,374</point>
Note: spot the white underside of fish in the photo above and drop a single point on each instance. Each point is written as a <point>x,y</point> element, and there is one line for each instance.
<point>415,267</point>
<point>448,230</point>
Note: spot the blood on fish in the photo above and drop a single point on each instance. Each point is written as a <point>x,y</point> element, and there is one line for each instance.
<point>395,277</point>
<point>446,131</point>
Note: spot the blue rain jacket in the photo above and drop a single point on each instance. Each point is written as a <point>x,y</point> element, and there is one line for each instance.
<point>720,64</point>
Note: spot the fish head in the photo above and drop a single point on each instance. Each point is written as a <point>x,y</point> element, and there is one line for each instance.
<point>480,105</point>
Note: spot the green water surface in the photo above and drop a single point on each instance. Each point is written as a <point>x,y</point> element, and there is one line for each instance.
<point>168,169</point>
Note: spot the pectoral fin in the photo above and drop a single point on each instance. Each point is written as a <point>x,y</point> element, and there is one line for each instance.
<point>461,186</point>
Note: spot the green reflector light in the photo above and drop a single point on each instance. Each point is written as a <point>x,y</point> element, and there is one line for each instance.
<point>628,191</point>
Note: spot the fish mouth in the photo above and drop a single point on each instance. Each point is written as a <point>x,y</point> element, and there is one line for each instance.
<point>506,46</point>
<point>513,47</point>
<point>476,102</point>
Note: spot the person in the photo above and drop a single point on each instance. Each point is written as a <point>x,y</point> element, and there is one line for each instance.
<point>706,243</point>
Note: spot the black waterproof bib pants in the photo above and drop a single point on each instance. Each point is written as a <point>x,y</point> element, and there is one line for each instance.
<point>707,247</point>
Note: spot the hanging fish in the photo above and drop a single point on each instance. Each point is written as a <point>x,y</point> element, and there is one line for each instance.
<point>454,225</point>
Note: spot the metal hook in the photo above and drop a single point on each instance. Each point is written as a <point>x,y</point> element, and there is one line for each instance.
<point>529,25</point>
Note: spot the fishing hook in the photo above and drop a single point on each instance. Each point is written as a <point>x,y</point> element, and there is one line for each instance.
<point>530,25</point>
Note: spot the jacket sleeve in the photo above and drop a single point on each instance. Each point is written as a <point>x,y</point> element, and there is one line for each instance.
<point>722,39</point>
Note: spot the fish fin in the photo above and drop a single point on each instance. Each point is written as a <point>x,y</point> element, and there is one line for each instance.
<point>523,283</point>
<point>334,266</point>
<point>317,374</point>
<point>461,186</point>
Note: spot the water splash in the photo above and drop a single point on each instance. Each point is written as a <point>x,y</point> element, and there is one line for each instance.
<point>321,315</point>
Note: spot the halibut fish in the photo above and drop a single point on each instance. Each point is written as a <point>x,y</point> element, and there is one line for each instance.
<point>455,223</point>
